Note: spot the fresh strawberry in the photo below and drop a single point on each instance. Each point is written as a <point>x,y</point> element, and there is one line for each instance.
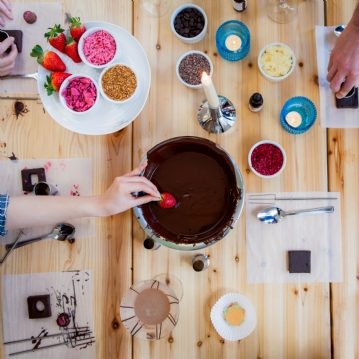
<point>50,60</point>
<point>167,200</point>
<point>54,81</point>
<point>56,38</point>
<point>72,50</point>
<point>76,28</point>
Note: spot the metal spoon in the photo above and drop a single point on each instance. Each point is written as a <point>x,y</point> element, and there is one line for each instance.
<point>273,215</point>
<point>61,232</point>
<point>339,29</point>
<point>21,76</point>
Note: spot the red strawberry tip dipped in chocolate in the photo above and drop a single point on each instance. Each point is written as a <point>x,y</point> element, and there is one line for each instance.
<point>56,38</point>
<point>54,81</point>
<point>72,50</point>
<point>76,28</point>
<point>167,200</point>
<point>50,60</point>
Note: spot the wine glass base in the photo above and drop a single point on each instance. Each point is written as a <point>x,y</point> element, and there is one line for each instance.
<point>282,12</point>
<point>171,281</point>
<point>155,8</point>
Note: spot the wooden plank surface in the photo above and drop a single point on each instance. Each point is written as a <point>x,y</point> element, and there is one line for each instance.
<point>293,319</point>
<point>108,255</point>
<point>343,163</point>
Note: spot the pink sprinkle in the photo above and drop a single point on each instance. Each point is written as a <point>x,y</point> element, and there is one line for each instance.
<point>47,165</point>
<point>76,186</point>
<point>25,168</point>
<point>80,94</point>
<point>99,48</point>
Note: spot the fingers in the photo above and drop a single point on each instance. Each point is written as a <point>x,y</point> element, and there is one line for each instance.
<point>5,8</point>
<point>142,200</point>
<point>6,44</point>
<point>330,64</point>
<point>137,170</point>
<point>142,187</point>
<point>142,181</point>
<point>7,4</point>
<point>346,87</point>
<point>331,73</point>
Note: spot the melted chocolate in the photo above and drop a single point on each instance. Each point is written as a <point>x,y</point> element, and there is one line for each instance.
<point>201,177</point>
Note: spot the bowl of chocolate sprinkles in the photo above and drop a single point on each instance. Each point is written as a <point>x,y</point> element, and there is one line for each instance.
<point>118,83</point>
<point>190,67</point>
<point>189,23</point>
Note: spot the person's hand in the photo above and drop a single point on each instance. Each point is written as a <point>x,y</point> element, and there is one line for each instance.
<point>119,198</point>
<point>343,64</point>
<point>7,61</point>
<point>5,9</point>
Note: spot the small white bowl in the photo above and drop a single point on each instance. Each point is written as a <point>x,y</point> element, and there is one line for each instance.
<point>271,78</point>
<point>66,83</point>
<point>272,143</point>
<point>103,92</point>
<point>185,55</point>
<point>189,40</point>
<point>81,45</point>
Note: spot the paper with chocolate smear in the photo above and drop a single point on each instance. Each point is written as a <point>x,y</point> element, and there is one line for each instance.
<point>70,292</point>
<point>268,244</point>
<point>71,176</point>
<point>48,14</point>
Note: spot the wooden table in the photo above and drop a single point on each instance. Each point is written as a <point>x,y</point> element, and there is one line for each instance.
<point>295,320</point>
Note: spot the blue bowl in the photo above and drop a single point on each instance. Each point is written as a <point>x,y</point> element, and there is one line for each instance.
<point>305,108</point>
<point>233,27</point>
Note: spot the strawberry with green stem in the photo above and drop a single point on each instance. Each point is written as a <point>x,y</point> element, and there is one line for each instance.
<point>167,200</point>
<point>72,50</point>
<point>54,81</point>
<point>76,28</point>
<point>50,60</point>
<point>56,38</point>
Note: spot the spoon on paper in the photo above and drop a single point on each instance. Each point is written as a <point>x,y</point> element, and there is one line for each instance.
<point>339,29</point>
<point>61,232</point>
<point>273,215</point>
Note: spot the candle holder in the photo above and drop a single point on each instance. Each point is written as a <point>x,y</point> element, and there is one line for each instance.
<point>219,119</point>
<point>233,27</point>
<point>305,108</point>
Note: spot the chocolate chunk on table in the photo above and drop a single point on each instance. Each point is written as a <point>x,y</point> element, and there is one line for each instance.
<point>351,100</point>
<point>34,312</point>
<point>299,261</point>
<point>27,185</point>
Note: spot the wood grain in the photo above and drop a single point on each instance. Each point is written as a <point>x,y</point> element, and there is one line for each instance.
<point>343,174</point>
<point>293,319</point>
<point>108,255</point>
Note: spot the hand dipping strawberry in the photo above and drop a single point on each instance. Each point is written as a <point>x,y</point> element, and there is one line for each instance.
<point>167,200</point>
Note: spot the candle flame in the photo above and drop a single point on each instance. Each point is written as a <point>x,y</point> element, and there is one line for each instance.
<point>204,76</point>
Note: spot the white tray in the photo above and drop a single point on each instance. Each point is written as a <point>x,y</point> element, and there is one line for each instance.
<point>107,117</point>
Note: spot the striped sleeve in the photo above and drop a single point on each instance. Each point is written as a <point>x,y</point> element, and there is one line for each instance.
<point>4,202</point>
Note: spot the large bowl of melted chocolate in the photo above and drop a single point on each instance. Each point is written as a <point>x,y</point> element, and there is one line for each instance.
<point>207,185</point>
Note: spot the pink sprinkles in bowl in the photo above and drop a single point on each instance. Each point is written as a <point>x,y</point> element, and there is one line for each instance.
<point>267,159</point>
<point>80,94</point>
<point>99,48</point>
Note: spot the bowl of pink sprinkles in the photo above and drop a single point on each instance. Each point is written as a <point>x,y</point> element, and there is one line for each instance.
<point>79,94</point>
<point>98,47</point>
<point>267,159</point>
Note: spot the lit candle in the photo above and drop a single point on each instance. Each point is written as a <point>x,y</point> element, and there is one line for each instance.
<point>293,118</point>
<point>233,42</point>
<point>209,90</point>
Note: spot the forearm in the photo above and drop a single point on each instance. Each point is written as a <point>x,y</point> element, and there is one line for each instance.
<point>32,211</point>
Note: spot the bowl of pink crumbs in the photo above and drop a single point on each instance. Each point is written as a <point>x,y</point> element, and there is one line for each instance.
<point>98,47</point>
<point>79,94</point>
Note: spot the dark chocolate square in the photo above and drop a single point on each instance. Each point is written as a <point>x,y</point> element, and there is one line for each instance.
<point>351,101</point>
<point>34,313</point>
<point>27,185</point>
<point>299,261</point>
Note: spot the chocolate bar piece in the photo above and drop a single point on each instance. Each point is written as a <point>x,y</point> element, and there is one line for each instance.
<point>27,185</point>
<point>351,100</point>
<point>299,261</point>
<point>34,311</point>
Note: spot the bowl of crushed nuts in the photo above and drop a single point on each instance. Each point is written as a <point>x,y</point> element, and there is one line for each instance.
<point>118,83</point>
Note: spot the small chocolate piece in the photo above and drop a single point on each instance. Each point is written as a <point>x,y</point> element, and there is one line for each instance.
<point>63,320</point>
<point>30,17</point>
<point>351,100</point>
<point>33,306</point>
<point>299,261</point>
<point>189,22</point>
<point>27,185</point>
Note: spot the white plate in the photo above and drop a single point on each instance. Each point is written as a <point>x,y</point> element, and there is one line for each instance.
<point>107,117</point>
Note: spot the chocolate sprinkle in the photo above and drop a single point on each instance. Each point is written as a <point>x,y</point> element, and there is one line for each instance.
<point>191,68</point>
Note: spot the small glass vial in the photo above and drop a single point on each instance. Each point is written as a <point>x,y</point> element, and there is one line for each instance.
<point>151,244</point>
<point>256,102</point>
<point>200,262</point>
<point>239,5</point>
